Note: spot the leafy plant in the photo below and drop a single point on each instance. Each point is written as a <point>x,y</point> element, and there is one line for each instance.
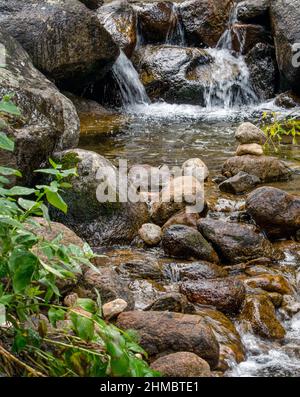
<point>39,336</point>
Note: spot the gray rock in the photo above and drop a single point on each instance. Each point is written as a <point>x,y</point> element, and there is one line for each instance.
<point>253,11</point>
<point>239,184</point>
<point>249,133</point>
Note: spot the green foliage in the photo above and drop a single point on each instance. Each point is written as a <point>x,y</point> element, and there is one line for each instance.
<point>30,310</point>
<point>276,129</point>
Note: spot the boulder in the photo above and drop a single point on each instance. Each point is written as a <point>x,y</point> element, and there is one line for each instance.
<point>109,285</point>
<point>107,221</point>
<point>197,168</point>
<point>48,119</point>
<point>285,15</point>
<point>180,193</point>
<point>251,148</point>
<point>258,315</point>
<point>183,217</point>
<point>239,184</point>
<point>63,38</point>
<point>253,11</point>
<point>150,234</point>
<point>266,168</point>
<point>171,302</point>
<point>140,269</point>
<point>119,19</point>
<point>181,241</point>
<point>226,295</point>
<point>164,332</point>
<point>157,21</point>
<point>182,364</point>
<point>275,211</point>
<point>248,133</point>
<point>200,270</point>
<point>235,242</point>
<point>270,283</point>
<point>263,69</point>
<point>287,100</point>
<point>204,21</point>
<point>246,36</point>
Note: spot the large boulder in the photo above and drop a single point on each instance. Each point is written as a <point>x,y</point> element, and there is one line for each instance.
<point>164,332</point>
<point>107,221</point>
<point>266,168</point>
<point>48,119</point>
<point>285,15</point>
<point>119,19</point>
<point>275,211</point>
<point>182,241</point>
<point>261,61</point>
<point>253,11</point>
<point>226,295</point>
<point>182,364</point>
<point>204,21</point>
<point>63,38</point>
<point>235,242</point>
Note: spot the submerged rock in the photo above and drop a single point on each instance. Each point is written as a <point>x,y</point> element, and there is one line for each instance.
<point>63,38</point>
<point>205,21</point>
<point>235,242</point>
<point>48,119</point>
<point>239,184</point>
<point>164,332</point>
<point>258,314</point>
<point>185,242</point>
<point>100,222</point>
<point>275,211</point>
<point>226,295</point>
<point>266,168</point>
<point>182,364</point>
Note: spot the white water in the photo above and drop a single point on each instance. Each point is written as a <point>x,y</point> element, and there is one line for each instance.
<point>132,90</point>
<point>176,34</point>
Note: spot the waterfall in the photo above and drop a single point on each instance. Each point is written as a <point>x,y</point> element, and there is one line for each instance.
<point>132,90</point>
<point>230,84</point>
<point>176,35</point>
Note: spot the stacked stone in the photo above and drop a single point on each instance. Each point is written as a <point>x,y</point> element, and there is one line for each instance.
<point>250,140</point>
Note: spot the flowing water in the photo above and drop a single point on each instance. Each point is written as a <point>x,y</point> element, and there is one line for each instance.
<point>161,133</point>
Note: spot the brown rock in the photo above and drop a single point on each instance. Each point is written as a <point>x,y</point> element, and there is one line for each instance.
<point>270,283</point>
<point>250,148</point>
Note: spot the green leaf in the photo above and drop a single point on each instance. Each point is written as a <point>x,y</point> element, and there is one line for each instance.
<point>87,304</point>
<point>20,191</point>
<point>57,201</point>
<point>83,327</point>
<point>27,204</point>
<point>9,171</point>
<point>6,143</point>
<point>55,315</point>
<point>7,106</point>
<point>20,342</point>
<point>22,265</point>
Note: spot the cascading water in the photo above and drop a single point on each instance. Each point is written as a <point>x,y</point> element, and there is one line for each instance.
<point>175,35</point>
<point>132,90</point>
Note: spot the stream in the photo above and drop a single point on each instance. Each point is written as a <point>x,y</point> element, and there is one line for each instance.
<point>160,133</point>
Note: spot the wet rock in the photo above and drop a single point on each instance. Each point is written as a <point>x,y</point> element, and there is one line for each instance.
<point>181,191</point>
<point>64,39</point>
<point>108,284</point>
<point>239,184</point>
<point>164,332</point>
<point>107,221</point>
<point>266,168</point>
<point>275,211</point>
<point>157,21</point>
<point>290,306</point>
<point>250,34</point>
<point>141,269</point>
<point>113,308</point>
<point>276,298</point>
<point>172,302</point>
<point>285,16</point>
<point>251,148</point>
<point>201,270</point>
<point>253,11</point>
<point>205,21</point>
<point>197,168</point>
<point>234,242</point>
<point>185,242</point>
<point>92,4</point>
<point>150,234</point>
<point>231,346</point>
<point>287,100</point>
<point>119,19</point>
<point>49,121</point>
<point>248,133</point>
<point>182,364</point>
<point>258,314</point>
<point>270,283</point>
<point>262,65</point>
<point>183,218</point>
<point>226,295</point>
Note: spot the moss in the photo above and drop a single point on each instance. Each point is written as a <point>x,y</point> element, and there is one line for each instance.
<point>70,160</point>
